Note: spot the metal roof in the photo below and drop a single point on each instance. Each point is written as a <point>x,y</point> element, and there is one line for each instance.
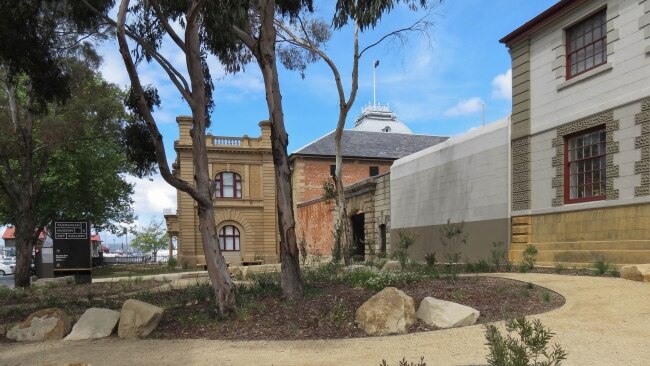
<point>364,144</point>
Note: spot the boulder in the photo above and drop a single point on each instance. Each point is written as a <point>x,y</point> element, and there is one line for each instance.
<point>390,311</point>
<point>94,323</point>
<point>446,314</point>
<point>392,266</point>
<point>138,319</point>
<point>43,325</point>
<point>637,272</point>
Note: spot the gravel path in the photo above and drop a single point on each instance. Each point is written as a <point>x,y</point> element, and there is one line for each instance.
<point>605,321</point>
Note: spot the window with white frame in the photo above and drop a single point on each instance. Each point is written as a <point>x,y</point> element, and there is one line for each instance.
<point>229,239</point>
<point>227,185</point>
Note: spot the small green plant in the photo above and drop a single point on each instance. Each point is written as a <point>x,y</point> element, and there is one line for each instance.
<point>329,190</point>
<point>546,296</point>
<point>524,292</point>
<point>172,262</point>
<point>601,266</point>
<point>404,362</point>
<point>529,285</point>
<point>430,258</point>
<point>302,246</point>
<point>509,266</point>
<point>559,268</point>
<point>457,294</point>
<point>523,268</point>
<point>530,256</point>
<point>452,238</point>
<point>339,312</point>
<point>499,254</point>
<point>614,272</point>
<point>528,346</point>
<point>406,239</point>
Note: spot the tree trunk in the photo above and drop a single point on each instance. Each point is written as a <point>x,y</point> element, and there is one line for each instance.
<point>345,237</point>
<point>24,236</point>
<point>289,256</point>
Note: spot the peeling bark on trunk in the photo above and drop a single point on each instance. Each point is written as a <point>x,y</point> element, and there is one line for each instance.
<point>201,191</point>
<point>289,256</point>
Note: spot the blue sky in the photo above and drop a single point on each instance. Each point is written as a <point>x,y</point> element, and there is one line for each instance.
<point>436,86</point>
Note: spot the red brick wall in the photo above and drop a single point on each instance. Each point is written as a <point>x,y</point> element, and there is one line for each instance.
<point>316,171</point>
<point>316,226</point>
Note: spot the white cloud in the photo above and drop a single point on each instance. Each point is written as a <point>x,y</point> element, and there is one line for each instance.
<point>465,107</point>
<point>151,196</point>
<point>502,85</point>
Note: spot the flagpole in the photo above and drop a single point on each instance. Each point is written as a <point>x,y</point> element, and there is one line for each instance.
<point>374,85</point>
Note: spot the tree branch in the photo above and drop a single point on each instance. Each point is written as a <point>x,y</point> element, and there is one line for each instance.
<point>412,27</point>
<point>161,156</point>
<point>174,75</point>
<point>156,7</point>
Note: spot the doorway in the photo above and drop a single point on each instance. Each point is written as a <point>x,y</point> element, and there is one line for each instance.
<point>358,237</point>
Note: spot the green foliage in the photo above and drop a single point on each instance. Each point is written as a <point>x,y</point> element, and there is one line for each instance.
<point>457,294</point>
<point>406,239</point>
<point>614,272</point>
<point>509,266</point>
<point>302,246</point>
<point>530,256</point>
<point>329,190</point>
<point>559,267</point>
<point>365,277</point>
<point>172,262</point>
<point>546,296</point>
<point>151,238</point>
<point>452,238</point>
<point>601,266</point>
<point>499,254</point>
<point>528,346</point>
<point>523,268</point>
<point>404,362</point>
<point>430,259</point>
<point>529,285</point>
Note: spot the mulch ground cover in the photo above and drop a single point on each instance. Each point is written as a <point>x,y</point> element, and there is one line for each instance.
<point>328,310</point>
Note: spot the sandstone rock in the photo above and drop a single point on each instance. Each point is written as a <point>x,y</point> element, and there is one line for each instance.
<point>43,325</point>
<point>390,311</point>
<point>392,266</point>
<point>637,272</point>
<point>94,323</point>
<point>138,319</point>
<point>446,314</point>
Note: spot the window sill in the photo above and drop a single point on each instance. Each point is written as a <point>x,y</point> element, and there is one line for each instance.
<point>589,74</point>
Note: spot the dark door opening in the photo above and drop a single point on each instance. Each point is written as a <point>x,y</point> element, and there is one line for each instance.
<point>382,235</point>
<point>358,237</point>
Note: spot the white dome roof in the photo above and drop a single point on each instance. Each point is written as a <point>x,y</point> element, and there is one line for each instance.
<point>380,119</point>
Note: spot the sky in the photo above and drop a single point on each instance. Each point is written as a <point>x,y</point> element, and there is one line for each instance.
<point>437,85</point>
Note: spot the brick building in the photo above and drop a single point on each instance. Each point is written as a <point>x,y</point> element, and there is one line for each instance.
<point>369,149</point>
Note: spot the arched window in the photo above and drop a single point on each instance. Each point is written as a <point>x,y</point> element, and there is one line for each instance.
<point>227,185</point>
<point>229,239</point>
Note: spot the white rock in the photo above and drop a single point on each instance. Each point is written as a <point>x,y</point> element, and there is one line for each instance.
<point>138,319</point>
<point>390,311</point>
<point>446,314</point>
<point>392,266</point>
<point>94,323</point>
<point>43,325</point>
<point>637,272</point>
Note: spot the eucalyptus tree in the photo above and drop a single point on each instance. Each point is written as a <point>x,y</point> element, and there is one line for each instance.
<point>55,113</point>
<point>195,28</point>
<point>304,40</point>
<point>259,35</point>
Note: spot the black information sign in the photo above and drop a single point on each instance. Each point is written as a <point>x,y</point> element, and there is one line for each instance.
<point>72,246</point>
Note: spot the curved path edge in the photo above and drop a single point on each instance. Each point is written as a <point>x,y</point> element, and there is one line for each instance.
<point>605,321</point>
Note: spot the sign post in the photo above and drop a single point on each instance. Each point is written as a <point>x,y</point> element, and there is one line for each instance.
<point>72,253</point>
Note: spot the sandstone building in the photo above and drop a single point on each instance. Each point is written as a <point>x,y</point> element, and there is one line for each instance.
<point>244,197</point>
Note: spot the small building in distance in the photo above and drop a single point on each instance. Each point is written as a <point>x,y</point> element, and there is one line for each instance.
<point>244,197</point>
<point>377,139</point>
